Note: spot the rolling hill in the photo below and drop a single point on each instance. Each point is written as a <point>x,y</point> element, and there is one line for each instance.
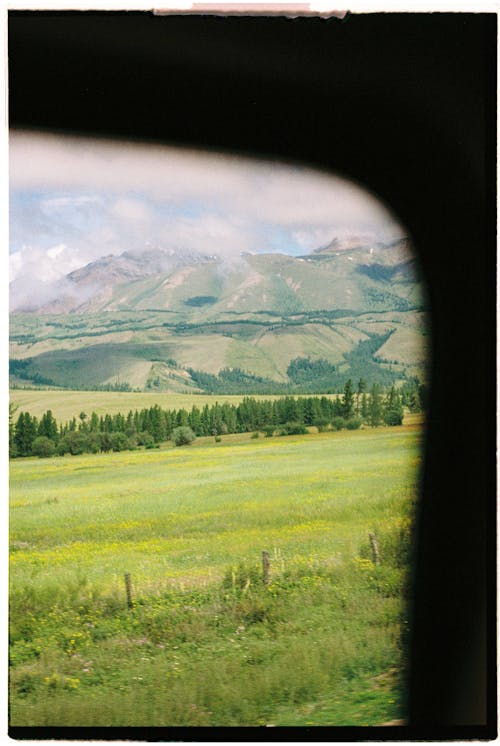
<point>155,320</point>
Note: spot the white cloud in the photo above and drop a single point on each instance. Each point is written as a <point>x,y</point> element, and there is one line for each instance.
<point>209,234</point>
<point>319,237</point>
<point>290,196</point>
<point>58,203</point>
<point>75,200</point>
<point>56,250</point>
<point>43,265</point>
<point>131,209</point>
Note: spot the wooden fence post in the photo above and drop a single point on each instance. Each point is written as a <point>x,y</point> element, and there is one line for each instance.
<point>128,589</point>
<point>374,546</point>
<point>265,566</point>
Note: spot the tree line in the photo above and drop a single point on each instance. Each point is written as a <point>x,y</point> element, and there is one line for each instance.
<point>151,426</point>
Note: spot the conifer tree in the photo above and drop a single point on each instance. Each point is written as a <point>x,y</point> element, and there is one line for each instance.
<point>360,392</point>
<point>157,426</point>
<point>26,432</point>
<point>129,424</point>
<point>194,420</point>
<point>12,430</point>
<point>348,401</point>
<point>375,406</point>
<point>182,419</point>
<point>393,408</point>
<point>205,420</point>
<point>48,426</point>
<point>94,423</point>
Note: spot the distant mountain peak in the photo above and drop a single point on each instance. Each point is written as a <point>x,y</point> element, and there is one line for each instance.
<point>360,243</point>
<point>155,277</point>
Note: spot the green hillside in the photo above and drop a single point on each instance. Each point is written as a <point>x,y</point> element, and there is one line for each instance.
<point>161,356</point>
<point>256,314</point>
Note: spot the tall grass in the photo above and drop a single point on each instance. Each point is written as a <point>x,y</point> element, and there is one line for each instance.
<point>207,642</point>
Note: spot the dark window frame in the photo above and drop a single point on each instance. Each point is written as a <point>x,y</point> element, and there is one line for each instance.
<point>405,104</point>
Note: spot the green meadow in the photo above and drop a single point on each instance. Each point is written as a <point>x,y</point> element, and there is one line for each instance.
<point>206,641</point>
<point>67,404</point>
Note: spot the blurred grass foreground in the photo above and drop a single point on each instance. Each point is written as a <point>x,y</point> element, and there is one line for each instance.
<point>206,638</point>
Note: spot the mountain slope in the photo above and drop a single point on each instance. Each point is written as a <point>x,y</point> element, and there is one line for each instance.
<point>145,320</point>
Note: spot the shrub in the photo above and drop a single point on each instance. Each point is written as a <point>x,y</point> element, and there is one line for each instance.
<point>145,439</point>
<point>73,442</point>
<point>93,442</point>
<point>43,447</point>
<point>182,436</point>
<point>106,443</point>
<point>338,423</point>
<point>394,416</point>
<point>354,423</point>
<point>322,424</point>
<point>254,435</point>
<point>132,442</point>
<point>119,441</point>
<point>268,431</point>
<point>217,439</point>
<point>293,428</point>
<point>26,684</point>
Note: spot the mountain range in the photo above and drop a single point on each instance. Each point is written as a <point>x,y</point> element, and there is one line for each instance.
<point>157,319</point>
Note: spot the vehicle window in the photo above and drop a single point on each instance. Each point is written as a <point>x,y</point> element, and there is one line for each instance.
<point>218,385</point>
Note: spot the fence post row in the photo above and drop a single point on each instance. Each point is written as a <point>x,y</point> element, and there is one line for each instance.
<point>128,589</point>
<point>265,566</point>
<point>374,546</point>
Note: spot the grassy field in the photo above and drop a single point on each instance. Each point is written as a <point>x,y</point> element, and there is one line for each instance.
<point>67,404</point>
<point>206,641</point>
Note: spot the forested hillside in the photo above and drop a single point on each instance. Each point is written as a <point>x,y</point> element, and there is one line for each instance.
<point>266,323</point>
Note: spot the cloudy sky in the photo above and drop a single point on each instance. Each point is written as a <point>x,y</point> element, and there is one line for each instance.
<point>72,201</point>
